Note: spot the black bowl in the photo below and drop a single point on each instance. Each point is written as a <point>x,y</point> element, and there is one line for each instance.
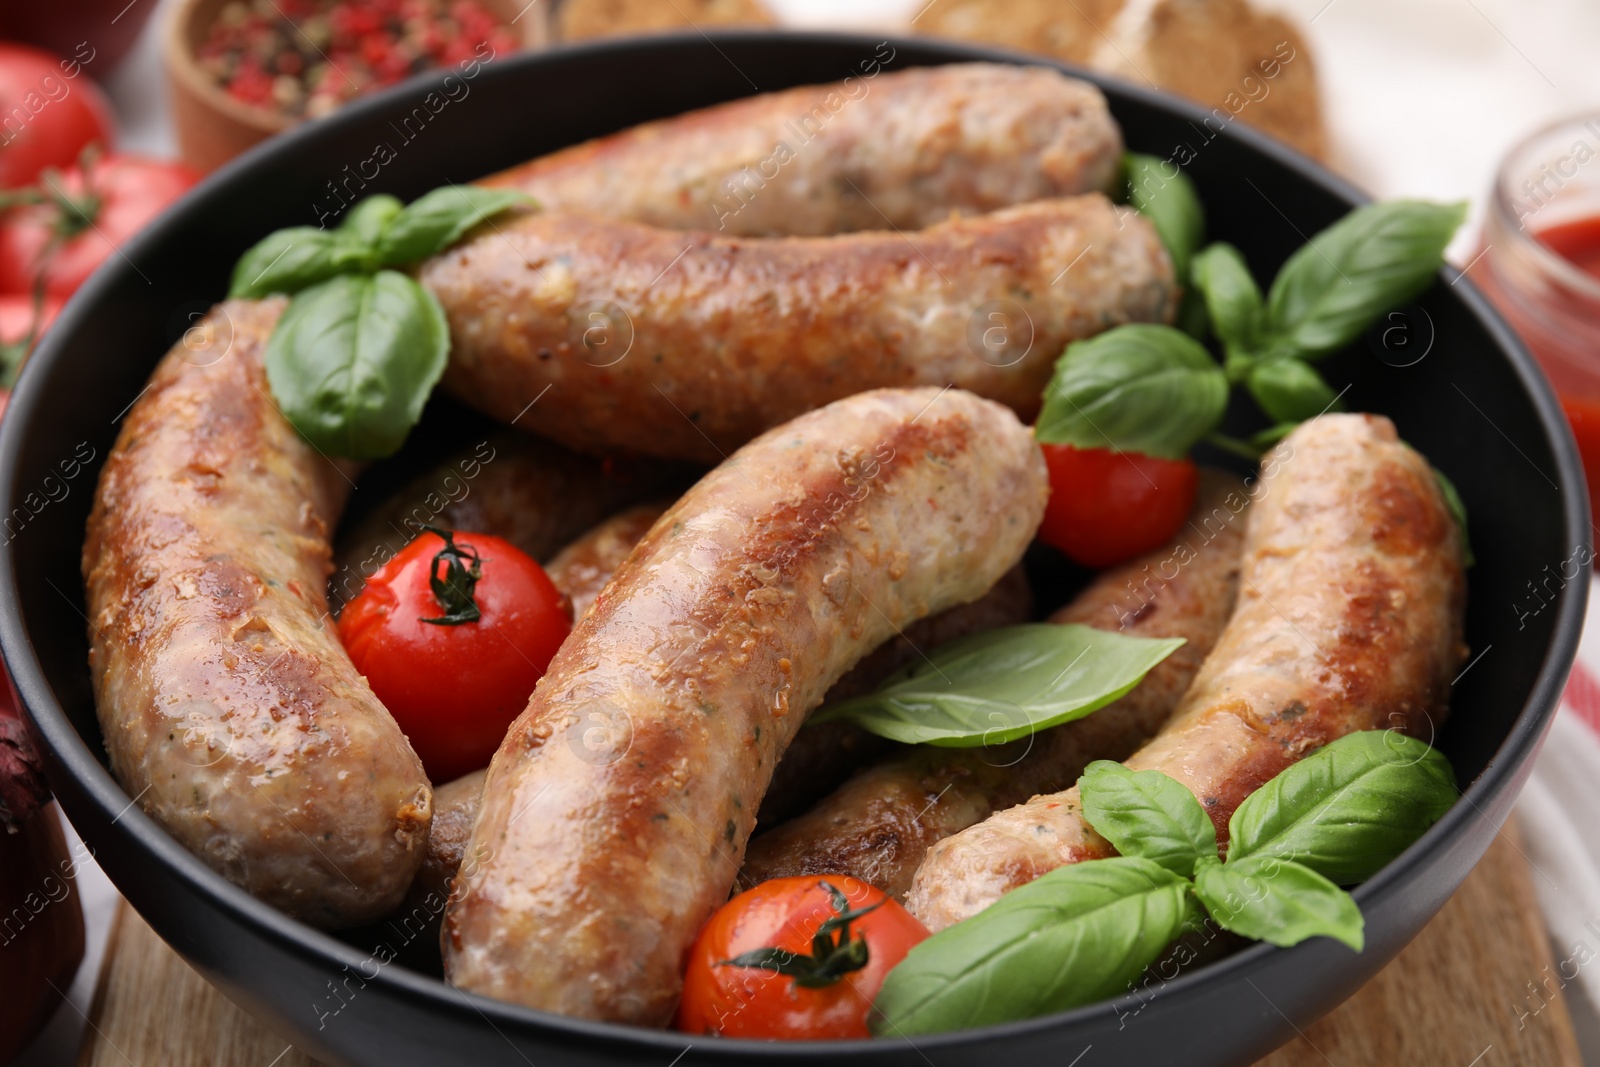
<point>1473,401</point>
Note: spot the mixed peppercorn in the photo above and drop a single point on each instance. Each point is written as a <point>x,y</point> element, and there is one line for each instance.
<point>306,57</point>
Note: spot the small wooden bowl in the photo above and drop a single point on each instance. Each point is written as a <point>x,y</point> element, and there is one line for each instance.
<point>213,127</point>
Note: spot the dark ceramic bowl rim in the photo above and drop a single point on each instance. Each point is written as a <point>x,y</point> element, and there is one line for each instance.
<point>69,756</point>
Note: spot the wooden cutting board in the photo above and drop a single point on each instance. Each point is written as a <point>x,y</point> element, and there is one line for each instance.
<point>1457,996</point>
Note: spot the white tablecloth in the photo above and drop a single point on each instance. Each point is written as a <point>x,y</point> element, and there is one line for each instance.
<point>1423,97</point>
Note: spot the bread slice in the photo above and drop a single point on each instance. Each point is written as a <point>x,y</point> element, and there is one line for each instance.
<point>1250,66</point>
<point>1067,29</point>
<point>578,20</point>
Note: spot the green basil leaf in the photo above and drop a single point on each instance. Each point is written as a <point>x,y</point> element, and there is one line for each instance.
<point>1003,684</point>
<point>1171,204</point>
<point>1147,814</point>
<point>1347,809</point>
<point>1192,316</point>
<point>1231,296</point>
<point>1262,440</point>
<point>367,218</point>
<point>1236,362</point>
<point>352,361</point>
<point>1373,260</point>
<point>1136,388</point>
<point>1290,391</point>
<point>287,261</point>
<point>437,220</point>
<point>1458,510</point>
<point>1077,935</point>
<point>1278,901</point>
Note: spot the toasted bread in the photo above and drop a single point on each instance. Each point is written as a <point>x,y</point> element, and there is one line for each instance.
<point>1067,29</point>
<point>578,20</point>
<point>1249,65</point>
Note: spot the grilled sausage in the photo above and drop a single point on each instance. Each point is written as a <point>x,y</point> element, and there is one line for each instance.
<point>617,808</point>
<point>455,805</point>
<point>582,569</point>
<point>823,756</point>
<point>1349,618</point>
<point>880,824</point>
<point>689,345</point>
<point>533,493</point>
<point>892,151</point>
<point>815,761</point>
<point>818,759</point>
<point>229,708</point>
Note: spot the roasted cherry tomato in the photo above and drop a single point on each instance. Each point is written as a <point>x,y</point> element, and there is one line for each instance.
<point>83,217</point>
<point>1108,507</point>
<point>51,117</point>
<point>452,634</point>
<point>797,958</point>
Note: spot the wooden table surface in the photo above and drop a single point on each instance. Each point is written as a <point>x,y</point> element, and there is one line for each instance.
<point>1458,996</point>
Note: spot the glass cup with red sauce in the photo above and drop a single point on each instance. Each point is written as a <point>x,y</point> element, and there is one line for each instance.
<point>1540,264</point>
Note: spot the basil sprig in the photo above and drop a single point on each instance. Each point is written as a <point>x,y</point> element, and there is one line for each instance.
<point>1086,931</point>
<point>1146,813</point>
<point>1164,195</point>
<point>1277,901</point>
<point>1003,684</point>
<point>1290,391</point>
<point>1078,934</point>
<point>361,345</point>
<point>1373,260</point>
<point>1349,809</point>
<point>1170,202</point>
<point>1139,388</point>
<point>353,359</point>
<point>1233,301</point>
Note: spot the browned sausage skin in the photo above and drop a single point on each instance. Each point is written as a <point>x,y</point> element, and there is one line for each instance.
<point>816,760</point>
<point>229,708</point>
<point>1350,615</point>
<point>584,568</point>
<point>750,597</point>
<point>455,806</point>
<point>687,345</point>
<point>894,151</point>
<point>879,825</point>
<point>822,756</point>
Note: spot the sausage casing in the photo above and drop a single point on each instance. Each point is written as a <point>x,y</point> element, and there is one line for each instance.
<point>1350,617</point>
<point>879,825</point>
<point>229,708</point>
<point>902,150</point>
<point>617,808</point>
<point>822,756</point>
<point>584,568</point>
<point>688,345</point>
<point>816,760</point>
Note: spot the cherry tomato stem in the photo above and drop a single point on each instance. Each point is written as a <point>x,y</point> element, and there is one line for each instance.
<point>798,958</point>
<point>79,217</point>
<point>454,688</point>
